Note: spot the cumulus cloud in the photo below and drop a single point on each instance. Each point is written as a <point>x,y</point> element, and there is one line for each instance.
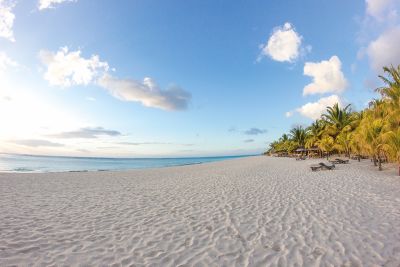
<point>283,45</point>
<point>313,110</point>
<point>37,143</point>
<point>152,143</point>
<point>381,9</point>
<point>255,131</point>
<point>327,77</point>
<point>385,50</point>
<point>6,62</point>
<point>146,92</point>
<point>67,68</point>
<point>380,32</point>
<point>7,19</point>
<point>87,132</point>
<point>44,4</point>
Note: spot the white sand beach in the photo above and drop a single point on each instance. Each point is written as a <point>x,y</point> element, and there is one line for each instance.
<point>257,211</point>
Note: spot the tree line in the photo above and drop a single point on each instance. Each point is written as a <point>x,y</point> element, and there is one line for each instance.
<point>373,132</point>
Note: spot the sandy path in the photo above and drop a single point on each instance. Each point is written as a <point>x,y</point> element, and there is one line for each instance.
<point>244,212</point>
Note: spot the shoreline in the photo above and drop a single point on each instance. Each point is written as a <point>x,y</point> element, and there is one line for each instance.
<point>214,159</point>
<point>241,212</point>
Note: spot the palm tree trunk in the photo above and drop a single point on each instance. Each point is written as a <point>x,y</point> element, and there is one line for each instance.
<point>380,163</point>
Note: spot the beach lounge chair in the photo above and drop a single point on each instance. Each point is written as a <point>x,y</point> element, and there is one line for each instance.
<point>339,161</point>
<point>327,167</point>
<point>342,161</point>
<point>315,168</point>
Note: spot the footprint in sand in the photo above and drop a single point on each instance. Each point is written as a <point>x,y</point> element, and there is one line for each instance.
<point>277,247</point>
<point>318,252</point>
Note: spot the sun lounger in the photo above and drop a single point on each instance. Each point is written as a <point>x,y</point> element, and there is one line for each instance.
<point>339,161</point>
<point>315,168</point>
<point>327,167</point>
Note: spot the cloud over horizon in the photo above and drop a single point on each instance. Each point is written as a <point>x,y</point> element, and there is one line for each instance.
<point>36,143</point>
<point>146,92</point>
<point>87,133</point>
<point>7,18</point>
<point>327,77</point>
<point>255,131</point>
<point>44,4</point>
<point>283,45</point>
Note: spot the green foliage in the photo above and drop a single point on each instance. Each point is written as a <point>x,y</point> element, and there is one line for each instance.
<point>374,131</point>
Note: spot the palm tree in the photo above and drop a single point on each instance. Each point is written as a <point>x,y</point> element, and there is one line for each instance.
<point>374,130</point>
<point>298,134</point>
<point>314,133</point>
<point>393,145</point>
<point>326,144</point>
<point>392,89</point>
<point>336,119</point>
<point>343,141</point>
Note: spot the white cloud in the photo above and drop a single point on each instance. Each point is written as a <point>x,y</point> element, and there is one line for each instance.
<point>313,110</point>
<point>289,114</point>
<point>146,92</point>
<point>385,50</point>
<point>66,68</point>
<point>87,132</point>
<point>6,62</point>
<point>7,19</point>
<point>381,9</point>
<point>37,143</point>
<point>327,77</point>
<point>43,4</point>
<point>283,45</point>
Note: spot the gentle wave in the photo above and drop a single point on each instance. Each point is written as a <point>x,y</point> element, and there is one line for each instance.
<point>29,163</point>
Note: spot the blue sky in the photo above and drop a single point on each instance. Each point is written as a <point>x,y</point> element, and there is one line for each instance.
<point>182,78</point>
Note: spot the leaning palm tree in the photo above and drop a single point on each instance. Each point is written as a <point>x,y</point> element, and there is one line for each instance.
<point>391,91</point>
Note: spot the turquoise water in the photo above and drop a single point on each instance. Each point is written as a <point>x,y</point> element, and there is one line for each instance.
<point>27,163</point>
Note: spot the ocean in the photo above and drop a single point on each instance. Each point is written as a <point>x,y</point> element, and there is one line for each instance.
<point>30,163</point>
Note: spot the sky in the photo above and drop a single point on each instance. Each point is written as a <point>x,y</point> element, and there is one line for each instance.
<point>178,78</point>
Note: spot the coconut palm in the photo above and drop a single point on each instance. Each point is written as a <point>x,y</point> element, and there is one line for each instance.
<point>343,141</point>
<point>336,119</point>
<point>298,134</point>
<point>326,144</point>
<point>374,136</point>
<point>393,145</point>
<point>314,133</point>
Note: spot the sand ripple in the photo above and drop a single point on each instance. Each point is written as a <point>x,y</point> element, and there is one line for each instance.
<point>243,212</point>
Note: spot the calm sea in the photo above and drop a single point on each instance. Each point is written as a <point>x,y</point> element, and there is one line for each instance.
<point>28,163</point>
